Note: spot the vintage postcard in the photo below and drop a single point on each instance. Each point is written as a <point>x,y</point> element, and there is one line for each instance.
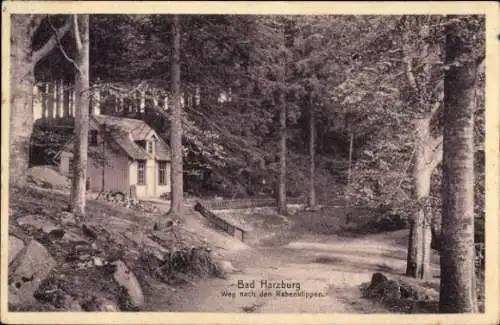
<point>250,162</point>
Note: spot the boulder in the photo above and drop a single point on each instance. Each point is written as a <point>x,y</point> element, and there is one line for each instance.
<point>27,272</point>
<point>226,266</point>
<point>32,220</point>
<point>49,227</point>
<point>223,268</point>
<point>68,303</point>
<point>89,231</point>
<point>377,278</point>
<point>147,244</point>
<point>99,304</point>
<point>383,288</point>
<point>98,261</point>
<point>55,234</point>
<point>66,217</point>
<point>417,291</point>
<point>38,222</point>
<point>71,237</point>
<point>15,247</point>
<point>107,305</point>
<point>391,290</point>
<point>118,223</point>
<point>125,278</point>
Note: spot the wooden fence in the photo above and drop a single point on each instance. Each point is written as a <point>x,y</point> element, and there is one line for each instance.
<point>224,204</point>
<point>222,223</point>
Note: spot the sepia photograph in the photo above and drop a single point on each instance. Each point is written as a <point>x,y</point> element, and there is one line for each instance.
<point>249,163</point>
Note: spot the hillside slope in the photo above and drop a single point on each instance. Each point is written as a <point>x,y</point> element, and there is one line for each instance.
<point>86,252</point>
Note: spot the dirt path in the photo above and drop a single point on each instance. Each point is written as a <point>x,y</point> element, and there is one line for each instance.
<point>328,269</point>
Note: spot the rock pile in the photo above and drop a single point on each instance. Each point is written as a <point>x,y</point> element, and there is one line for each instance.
<point>47,177</point>
<point>45,254</point>
<point>97,263</point>
<point>125,200</point>
<point>400,296</point>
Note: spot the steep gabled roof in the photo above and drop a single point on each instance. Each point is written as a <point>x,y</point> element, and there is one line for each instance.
<point>125,132</point>
<point>137,128</point>
<point>130,147</point>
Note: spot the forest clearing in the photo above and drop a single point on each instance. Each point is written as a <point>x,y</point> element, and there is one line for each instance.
<point>247,163</point>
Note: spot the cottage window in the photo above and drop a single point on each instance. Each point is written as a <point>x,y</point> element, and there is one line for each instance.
<point>142,144</point>
<point>162,173</point>
<point>141,172</point>
<point>93,137</point>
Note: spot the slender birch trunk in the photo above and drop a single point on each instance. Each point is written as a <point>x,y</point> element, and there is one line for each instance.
<point>312,153</point>
<point>80,150</point>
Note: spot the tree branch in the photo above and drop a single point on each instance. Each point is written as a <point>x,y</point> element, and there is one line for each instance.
<point>405,171</point>
<point>439,87</point>
<point>436,143</point>
<point>437,156</point>
<point>35,21</point>
<point>439,99</point>
<point>410,76</point>
<point>435,107</point>
<point>51,43</point>
<point>437,104</point>
<point>436,153</point>
<point>76,33</point>
<point>63,51</point>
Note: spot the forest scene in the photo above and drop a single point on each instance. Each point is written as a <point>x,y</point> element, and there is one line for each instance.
<point>247,163</point>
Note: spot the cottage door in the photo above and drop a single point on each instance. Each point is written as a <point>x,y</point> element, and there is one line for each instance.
<point>151,183</point>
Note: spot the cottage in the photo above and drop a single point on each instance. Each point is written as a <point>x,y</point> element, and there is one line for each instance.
<point>123,152</point>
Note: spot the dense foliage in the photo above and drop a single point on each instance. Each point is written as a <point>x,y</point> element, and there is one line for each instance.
<point>353,68</point>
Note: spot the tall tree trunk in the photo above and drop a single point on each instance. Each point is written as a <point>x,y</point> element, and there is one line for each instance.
<point>96,108</point>
<point>419,244</point>
<point>148,107</point>
<point>80,151</point>
<point>45,99</point>
<point>59,99</point>
<point>457,292</point>
<point>165,102</point>
<point>22,81</point>
<point>56,98</point>
<point>51,100</point>
<point>21,98</point>
<point>312,152</point>
<point>138,103</point>
<point>37,102</point>
<point>126,106</point>
<point>186,99</point>
<point>72,101</point>
<point>287,42</point>
<point>66,101</point>
<point>282,209</point>
<point>349,172</point>
<point>121,105</point>
<point>142,102</point>
<point>176,174</point>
